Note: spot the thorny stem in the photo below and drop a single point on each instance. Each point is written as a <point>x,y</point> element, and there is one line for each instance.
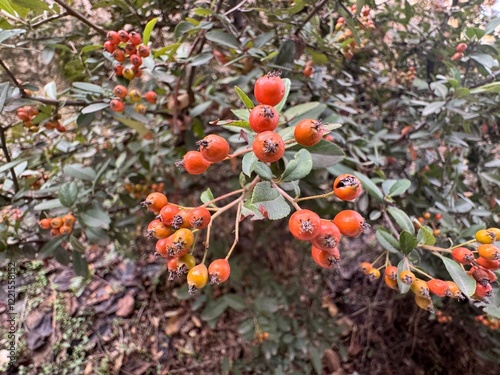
<point>81,17</point>
<point>287,197</point>
<point>5,150</point>
<point>236,230</point>
<point>326,195</point>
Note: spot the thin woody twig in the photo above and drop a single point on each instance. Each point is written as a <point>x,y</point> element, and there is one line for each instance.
<point>81,17</point>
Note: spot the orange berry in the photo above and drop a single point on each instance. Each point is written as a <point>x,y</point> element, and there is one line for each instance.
<point>45,223</point>
<point>365,267</point>
<point>56,222</point>
<point>155,202</point>
<point>347,187</point>
<point>420,288</point>
<point>462,255</point>
<point>438,287</point>
<point>151,97</point>
<point>407,277</point>
<point>489,252</point>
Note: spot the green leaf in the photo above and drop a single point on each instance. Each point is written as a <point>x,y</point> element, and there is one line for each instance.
<point>425,236</point>
<point>235,301</point>
<point>281,104</point>
<point>95,217</point>
<point>387,241</point>
<point>316,360</point>
<point>466,283</point>
<point>48,205</point>
<point>248,163</point>
<point>493,87</point>
<point>62,256</point>
<point>244,98</point>
<point>268,197</point>
<point>51,90</point>
<point>299,167</point>
<point>493,311</point>
<point>139,127</point>
<point>201,59</point>
<point>324,154</point>
<point>434,107</point>
<point>49,247</point>
<point>80,265</point>
<point>492,25</point>
<point>403,288</point>
<point>202,12</point>
<point>182,28</point>
<point>4,89</point>
<point>68,193</point>
<point>399,188</point>
<point>401,219</point>
<point>76,244</point>
<point>94,108</point>
<point>300,109</point>
<point>7,7</point>
<point>90,87</point>
<point>214,309</point>
<point>222,38</point>
<point>31,4</point>
<point>12,164</point>
<point>207,196</point>
<point>407,242</point>
<point>80,172</point>
<point>370,186</point>
<point>147,30</point>
<point>263,171</point>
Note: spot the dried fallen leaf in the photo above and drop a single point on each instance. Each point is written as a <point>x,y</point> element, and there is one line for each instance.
<point>125,306</point>
<point>331,359</point>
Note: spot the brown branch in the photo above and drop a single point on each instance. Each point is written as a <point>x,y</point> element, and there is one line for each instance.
<point>5,150</point>
<point>49,19</point>
<point>13,79</point>
<point>308,18</point>
<point>81,17</point>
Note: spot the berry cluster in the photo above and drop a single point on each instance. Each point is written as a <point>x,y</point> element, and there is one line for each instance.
<point>133,97</point>
<point>434,223</point>
<point>348,50</point>
<point>26,115</point>
<point>481,270</point>
<point>325,235</point>
<point>488,321</point>
<point>407,77</point>
<point>212,149</point>
<point>58,225</point>
<point>174,228</point>
<point>122,45</point>
<point>459,52</point>
<point>140,190</point>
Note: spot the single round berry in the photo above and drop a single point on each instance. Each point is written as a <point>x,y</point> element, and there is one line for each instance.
<point>407,277</point>
<point>45,223</point>
<point>350,223</point>
<point>69,219</point>
<point>182,240</point>
<point>489,252</point>
<point>141,109</point>
<point>374,274</point>
<point>461,47</point>
<point>268,146</point>
<point>308,132</point>
<point>65,229</point>
<point>454,290</point>
<point>213,148</point>
<point>325,259</point>
<point>167,214</point>
<point>439,288</point>
<point>143,50</point>
<point>116,105</point>
<point>119,55</point>
<point>219,271</point>
<point>155,202</point>
<point>263,118</point>
<point>135,95</point>
<point>347,187</point>
<point>328,236</point>
<point>391,283</point>
<point>120,91</point>
<point>194,162</point>
<point>420,288</point>
<point>485,236</point>
<point>56,222</point>
<point>123,35</point>
<point>483,291</point>
<point>128,73</point>
<point>136,60</point>
<point>151,97</point>
<point>493,265</point>
<point>365,267</point>
<point>113,37</point>
<point>392,272</point>
<point>424,303</point>
<point>118,69</point>
<point>187,261</point>
<point>480,275</point>
<point>199,217</point>
<point>181,219</point>
<point>130,49</point>
<point>462,255</point>
<point>134,38</point>
<point>269,89</point>
<point>110,47</point>
<point>197,278</point>
<point>304,225</point>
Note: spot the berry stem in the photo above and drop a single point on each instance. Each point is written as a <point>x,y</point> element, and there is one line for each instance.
<point>223,197</point>
<point>434,248</point>
<point>315,196</point>
<point>378,258</point>
<point>416,269</point>
<point>463,244</point>
<point>286,196</point>
<point>236,230</point>
<point>241,152</point>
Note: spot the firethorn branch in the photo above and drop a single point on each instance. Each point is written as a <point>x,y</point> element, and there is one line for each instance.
<point>236,230</point>
<point>241,152</point>
<point>378,258</point>
<point>463,244</point>
<point>223,197</point>
<point>81,17</point>
<point>434,248</point>
<point>326,195</point>
<point>353,16</point>
<point>416,269</point>
<point>5,150</point>
<point>310,15</point>
<point>390,223</point>
<point>287,197</point>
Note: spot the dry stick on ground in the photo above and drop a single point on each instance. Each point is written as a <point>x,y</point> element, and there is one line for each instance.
<point>81,17</point>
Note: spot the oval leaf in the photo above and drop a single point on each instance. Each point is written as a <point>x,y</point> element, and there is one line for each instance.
<point>407,242</point>
<point>402,219</point>
<point>403,288</point>
<point>94,107</point>
<point>68,193</point>
<point>299,167</point>
<point>147,30</point>
<point>80,172</point>
<point>387,241</point>
<point>244,98</point>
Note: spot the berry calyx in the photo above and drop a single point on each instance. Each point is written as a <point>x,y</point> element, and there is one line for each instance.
<point>199,217</point>
<point>304,225</point>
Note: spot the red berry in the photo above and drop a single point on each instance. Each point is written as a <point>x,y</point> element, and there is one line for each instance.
<point>350,223</point>
<point>328,236</point>
<point>304,225</point>
<point>134,38</point>
<point>123,35</point>
<point>199,217</point>
<point>214,148</point>
<point>143,50</point>
<point>438,287</point>
<point>113,37</point>
<point>268,146</point>
<point>110,47</point>
<point>119,55</point>
<point>116,105</point>
<point>269,89</point>
<point>120,91</point>
<point>263,118</point>
<point>130,49</point>
<point>118,70</point>
<point>325,259</point>
<point>462,255</point>
<point>347,187</point>
<point>194,163</point>
<point>136,60</point>
<point>219,271</point>
<point>167,213</point>
<point>308,132</point>
<point>151,97</point>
